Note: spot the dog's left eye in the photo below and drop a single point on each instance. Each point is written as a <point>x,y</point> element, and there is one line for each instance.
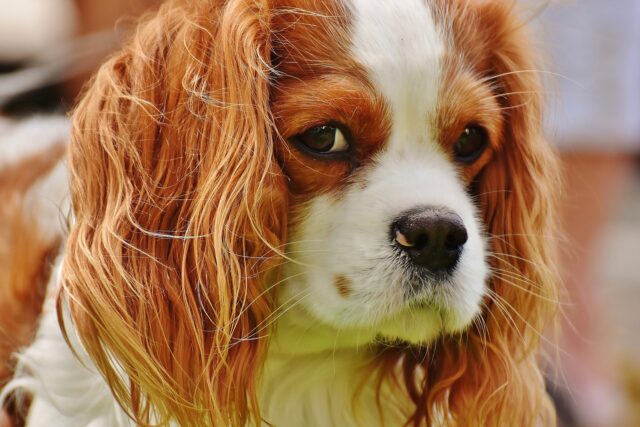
<point>471,144</point>
<point>323,139</point>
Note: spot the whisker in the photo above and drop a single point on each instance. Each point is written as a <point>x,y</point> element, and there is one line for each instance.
<point>281,310</point>
<point>264,292</point>
<point>530,292</point>
<point>546,236</point>
<point>528,261</point>
<point>527,324</point>
<point>499,302</point>
<point>516,276</point>
<point>531,71</point>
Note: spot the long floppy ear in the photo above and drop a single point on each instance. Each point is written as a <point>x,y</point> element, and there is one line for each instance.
<point>491,376</point>
<point>518,192</point>
<point>179,210</point>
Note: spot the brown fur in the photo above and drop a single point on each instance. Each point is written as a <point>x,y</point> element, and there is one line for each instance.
<point>25,255</point>
<point>182,189</point>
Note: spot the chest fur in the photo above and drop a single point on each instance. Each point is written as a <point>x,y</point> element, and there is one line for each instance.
<point>333,388</point>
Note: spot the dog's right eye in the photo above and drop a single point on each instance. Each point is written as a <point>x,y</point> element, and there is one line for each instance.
<point>470,145</point>
<point>325,139</point>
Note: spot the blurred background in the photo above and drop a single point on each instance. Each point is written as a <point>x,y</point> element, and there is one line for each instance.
<point>49,48</point>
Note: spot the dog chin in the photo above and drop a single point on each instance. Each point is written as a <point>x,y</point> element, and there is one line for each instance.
<point>414,326</point>
<point>421,325</point>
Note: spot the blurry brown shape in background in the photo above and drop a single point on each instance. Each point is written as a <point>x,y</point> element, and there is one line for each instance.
<point>49,79</point>
<point>593,185</point>
<point>25,264</point>
<point>96,16</point>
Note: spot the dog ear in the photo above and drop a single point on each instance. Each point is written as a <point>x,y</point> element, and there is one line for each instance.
<point>179,213</point>
<point>518,193</point>
<point>519,189</point>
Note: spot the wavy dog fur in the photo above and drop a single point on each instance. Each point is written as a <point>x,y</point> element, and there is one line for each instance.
<point>181,213</point>
<point>178,209</point>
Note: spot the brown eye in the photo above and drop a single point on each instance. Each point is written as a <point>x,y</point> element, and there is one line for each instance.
<point>323,139</point>
<point>470,145</point>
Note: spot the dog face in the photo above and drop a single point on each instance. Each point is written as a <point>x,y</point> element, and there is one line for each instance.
<point>385,235</point>
<point>371,167</point>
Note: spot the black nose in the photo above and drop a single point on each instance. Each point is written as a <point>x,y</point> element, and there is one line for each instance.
<point>433,238</point>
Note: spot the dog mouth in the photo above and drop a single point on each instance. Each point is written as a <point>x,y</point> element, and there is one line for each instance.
<point>425,318</point>
<point>419,284</point>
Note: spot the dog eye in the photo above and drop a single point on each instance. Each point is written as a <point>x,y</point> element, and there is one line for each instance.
<point>324,139</point>
<point>470,145</point>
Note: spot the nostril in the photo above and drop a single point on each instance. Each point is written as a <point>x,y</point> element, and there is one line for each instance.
<point>456,238</point>
<point>403,240</point>
<point>411,237</point>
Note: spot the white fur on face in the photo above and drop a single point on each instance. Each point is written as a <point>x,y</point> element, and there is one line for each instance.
<point>348,236</point>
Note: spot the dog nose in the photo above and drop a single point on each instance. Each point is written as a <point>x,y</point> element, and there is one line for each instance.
<point>433,238</point>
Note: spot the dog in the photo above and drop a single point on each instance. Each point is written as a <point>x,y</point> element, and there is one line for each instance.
<point>304,213</point>
<point>33,191</point>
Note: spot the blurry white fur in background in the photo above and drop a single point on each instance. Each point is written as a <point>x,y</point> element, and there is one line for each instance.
<point>27,27</point>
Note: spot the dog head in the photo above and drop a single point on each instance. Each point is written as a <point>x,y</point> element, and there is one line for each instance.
<point>374,168</point>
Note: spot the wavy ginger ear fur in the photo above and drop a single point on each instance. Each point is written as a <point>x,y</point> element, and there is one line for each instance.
<point>490,375</point>
<point>179,210</point>
<point>518,193</point>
